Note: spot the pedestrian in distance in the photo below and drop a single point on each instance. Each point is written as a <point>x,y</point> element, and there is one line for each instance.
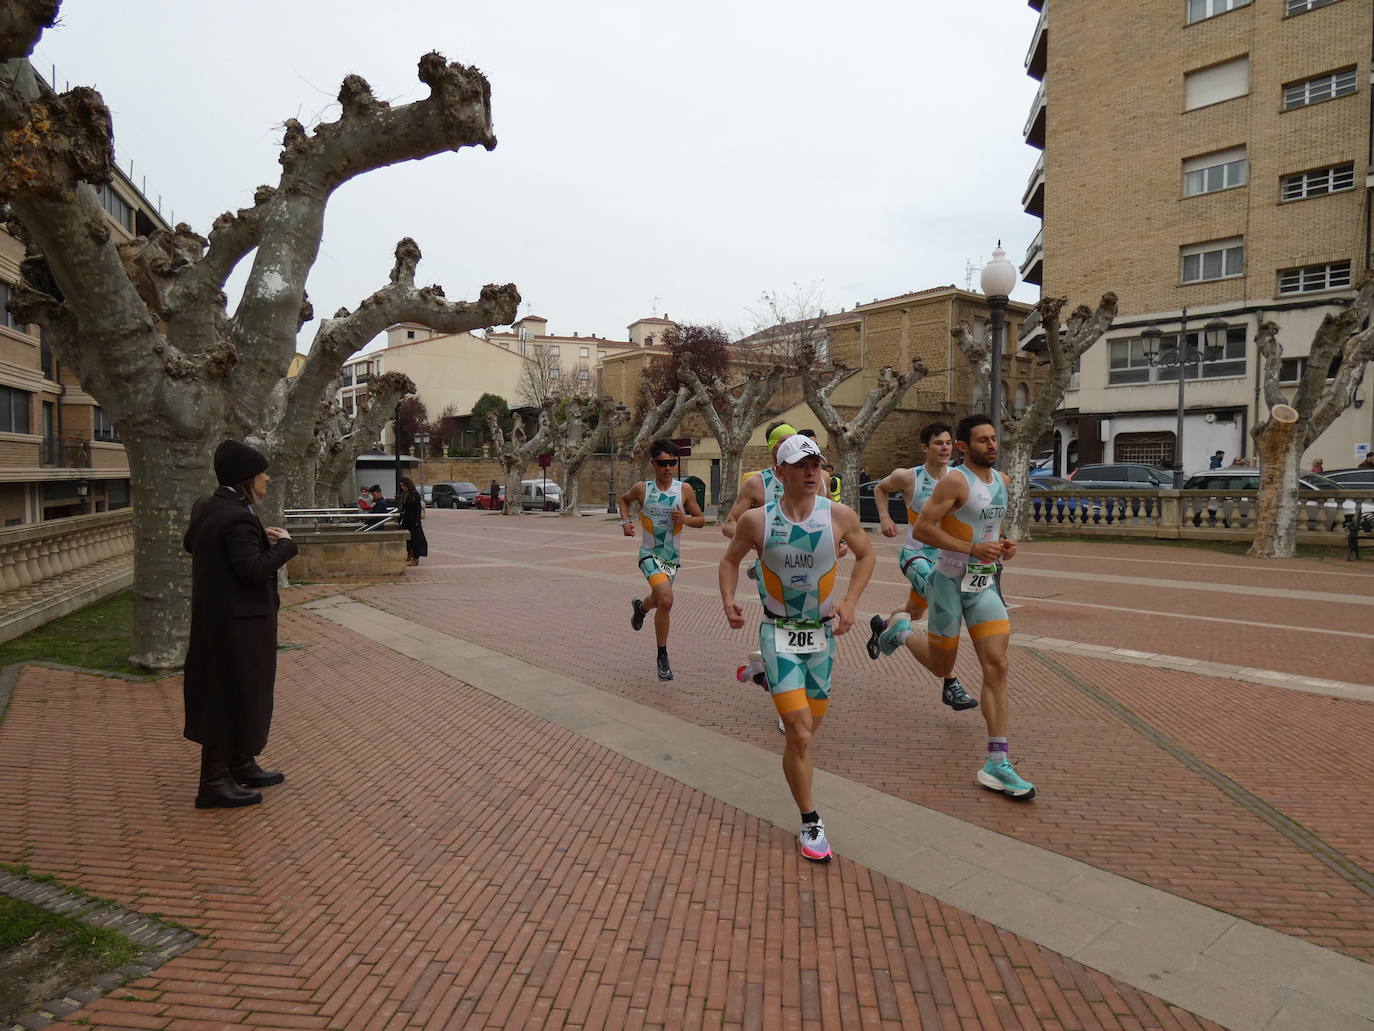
<point>666,505</point>
<point>379,507</point>
<point>1318,466</point>
<point>231,664</point>
<point>412,513</point>
<point>797,539</point>
<point>1217,460</point>
<point>365,499</point>
<point>1368,462</point>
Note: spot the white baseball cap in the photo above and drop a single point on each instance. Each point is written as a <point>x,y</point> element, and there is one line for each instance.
<point>795,448</point>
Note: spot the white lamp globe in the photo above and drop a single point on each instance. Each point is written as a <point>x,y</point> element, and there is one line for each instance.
<point>999,275</point>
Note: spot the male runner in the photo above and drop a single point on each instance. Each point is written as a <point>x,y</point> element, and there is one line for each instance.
<point>797,538</point>
<point>666,504</point>
<point>915,559</point>
<point>963,518</point>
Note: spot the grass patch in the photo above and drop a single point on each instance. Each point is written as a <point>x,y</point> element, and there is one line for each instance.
<point>21,921</point>
<point>98,637</point>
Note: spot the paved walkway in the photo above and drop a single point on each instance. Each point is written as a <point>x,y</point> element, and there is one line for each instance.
<point>494,819</point>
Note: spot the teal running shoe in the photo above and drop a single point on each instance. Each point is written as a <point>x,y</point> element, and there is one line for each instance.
<point>887,640</point>
<point>1000,776</point>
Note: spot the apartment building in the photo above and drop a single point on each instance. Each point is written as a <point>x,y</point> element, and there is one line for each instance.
<point>1210,162</point>
<point>576,358</point>
<point>60,455</point>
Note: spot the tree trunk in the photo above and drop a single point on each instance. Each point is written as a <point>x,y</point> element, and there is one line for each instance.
<point>173,472</point>
<point>1015,461</point>
<point>1276,518</point>
<point>730,459</point>
<point>515,472</point>
<point>847,461</point>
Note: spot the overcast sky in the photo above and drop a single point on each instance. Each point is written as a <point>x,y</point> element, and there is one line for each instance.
<point>678,158</point>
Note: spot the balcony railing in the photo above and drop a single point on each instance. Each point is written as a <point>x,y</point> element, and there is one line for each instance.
<point>1033,198</point>
<point>1036,54</point>
<point>65,453</point>
<point>1034,132</point>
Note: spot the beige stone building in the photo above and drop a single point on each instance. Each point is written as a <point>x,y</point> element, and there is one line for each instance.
<point>1209,161</point>
<point>60,455</point>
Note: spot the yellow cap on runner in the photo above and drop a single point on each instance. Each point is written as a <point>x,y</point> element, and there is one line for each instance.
<point>780,434</point>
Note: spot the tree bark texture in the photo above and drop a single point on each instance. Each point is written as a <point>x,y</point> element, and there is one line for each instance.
<point>342,439</point>
<point>145,326</point>
<point>514,453</point>
<point>849,437</point>
<point>577,445</point>
<point>1279,442</point>
<point>732,417</point>
<point>659,420</point>
<point>1018,436</point>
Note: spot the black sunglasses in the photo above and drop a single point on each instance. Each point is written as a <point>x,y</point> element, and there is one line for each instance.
<point>665,463</point>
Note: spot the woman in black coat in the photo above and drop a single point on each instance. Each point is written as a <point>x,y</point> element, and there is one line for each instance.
<point>231,664</point>
<point>412,509</point>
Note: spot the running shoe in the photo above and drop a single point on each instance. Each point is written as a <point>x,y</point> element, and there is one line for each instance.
<point>814,844</point>
<point>954,695</point>
<point>876,626</point>
<point>781,729</point>
<point>665,672</point>
<point>753,670</point>
<point>1000,776</point>
<point>887,640</point>
<point>637,620</point>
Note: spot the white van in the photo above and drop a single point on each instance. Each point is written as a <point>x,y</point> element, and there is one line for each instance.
<point>541,495</point>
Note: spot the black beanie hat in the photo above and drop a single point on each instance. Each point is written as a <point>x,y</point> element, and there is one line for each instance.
<point>236,462</point>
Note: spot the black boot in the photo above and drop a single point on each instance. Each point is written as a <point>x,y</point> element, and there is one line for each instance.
<point>217,788</point>
<point>245,770</point>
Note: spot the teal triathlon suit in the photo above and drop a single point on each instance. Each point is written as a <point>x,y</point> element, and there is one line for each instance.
<point>797,580</point>
<point>772,491</point>
<point>916,559</point>
<point>961,589</point>
<point>659,557</point>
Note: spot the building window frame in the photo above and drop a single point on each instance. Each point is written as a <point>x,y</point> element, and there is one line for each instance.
<point>1212,261</point>
<point>1317,89</point>
<point>1293,8</point>
<point>1308,279</point>
<point>103,428</point>
<point>1127,365</point>
<point>1220,175</point>
<point>1317,182</point>
<point>1210,8</point>
<point>115,206</point>
<point>1292,370</point>
<point>15,410</point>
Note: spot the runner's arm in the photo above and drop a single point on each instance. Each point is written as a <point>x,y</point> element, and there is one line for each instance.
<point>750,497</point>
<point>1008,545</point>
<point>949,494</point>
<point>850,531</point>
<point>898,480</point>
<point>634,494</point>
<point>691,514</point>
<point>749,532</point>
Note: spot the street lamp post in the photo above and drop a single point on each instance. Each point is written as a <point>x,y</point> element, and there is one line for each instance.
<point>998,280</point>
<point>396,443</point>
<point>1183,355</point>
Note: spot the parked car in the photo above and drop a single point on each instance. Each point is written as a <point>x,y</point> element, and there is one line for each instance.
<point>868,507</point>
<point>1357,478</point>
<point>540,495</point>
<point>1240,478</point>
<point>1122,476</point>
<point>427,495</point>
<point>1047,506</point>
<point>484,500</point>
<point>458,494</point>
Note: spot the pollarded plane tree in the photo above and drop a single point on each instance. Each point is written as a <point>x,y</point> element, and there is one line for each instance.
<point>578,441</point>
<point>1017,436</point>
<point>658,418</point>
<point>849,436</point>
<point>515,451</point>
<point>146,327</point>
<point>1292,426</point>
<point>341,437</point>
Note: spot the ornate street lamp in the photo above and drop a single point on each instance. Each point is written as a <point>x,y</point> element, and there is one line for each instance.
<point>998,280</point>
<point>1179,358</point>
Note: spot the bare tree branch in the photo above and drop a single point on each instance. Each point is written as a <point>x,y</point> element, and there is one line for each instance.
<point>1271,357</point>
<point>660,419</point>
<point>21,23</point>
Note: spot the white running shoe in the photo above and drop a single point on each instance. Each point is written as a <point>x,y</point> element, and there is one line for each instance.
<point>781,728</point>
<point>814,844</point>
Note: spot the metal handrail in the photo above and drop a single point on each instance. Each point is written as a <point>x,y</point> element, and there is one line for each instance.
<point>338,518</point>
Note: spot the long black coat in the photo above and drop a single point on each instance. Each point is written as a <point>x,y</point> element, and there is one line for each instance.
<point>412,512</point>
<point>231,664</point>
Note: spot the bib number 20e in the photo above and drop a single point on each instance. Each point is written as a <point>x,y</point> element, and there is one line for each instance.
<point>797,637</point>
<point>978,577</point>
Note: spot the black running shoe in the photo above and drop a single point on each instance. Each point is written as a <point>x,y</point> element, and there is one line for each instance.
<point>877,624</point>
<point>665,672</point>
<point>956,697</point>
<point>637,620</point>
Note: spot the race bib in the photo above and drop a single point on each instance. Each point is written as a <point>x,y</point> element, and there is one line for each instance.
<point>978,577</point>
<point>798,636</point>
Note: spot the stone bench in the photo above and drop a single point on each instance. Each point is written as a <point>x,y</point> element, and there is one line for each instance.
<point>346,555</point>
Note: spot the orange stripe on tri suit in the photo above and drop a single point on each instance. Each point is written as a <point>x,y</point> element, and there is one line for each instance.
<point>991,628</point>
<point>825,585</point>
<point>658,578</point>
<point>772,585</point>
<point>917,603</point>
<point>818,706</point>
<point>957,528</point>
<point>790,701</point>
<point>944,644</point>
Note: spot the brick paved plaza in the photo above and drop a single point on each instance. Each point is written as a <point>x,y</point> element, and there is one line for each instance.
<point>495,815</point>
